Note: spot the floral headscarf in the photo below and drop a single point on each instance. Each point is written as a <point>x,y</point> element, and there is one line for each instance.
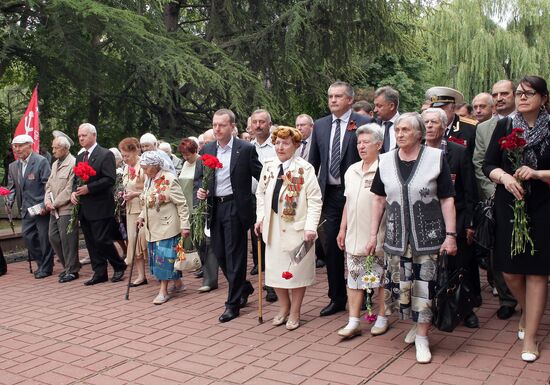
<point>157,158</point>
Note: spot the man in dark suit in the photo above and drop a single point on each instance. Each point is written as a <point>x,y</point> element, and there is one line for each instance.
<point>333,150</point>
<point>97,206</point>
<point>232,211</point>
<point>463,130</point>
<point>386,105</point>
<point>27,177</point>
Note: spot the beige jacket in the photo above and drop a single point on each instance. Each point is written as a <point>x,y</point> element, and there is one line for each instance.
<point>165,210</point>
<point>308,205</point>
<point>134,184</point>
<point>60,184</point>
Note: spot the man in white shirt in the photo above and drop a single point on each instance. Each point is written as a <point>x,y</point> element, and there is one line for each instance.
<point>386,105</point>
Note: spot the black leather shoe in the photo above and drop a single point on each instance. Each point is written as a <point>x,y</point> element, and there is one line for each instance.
<point>199,273</point>
<point>117,276</point>
<point>96,279</point>
<point>2,272</point>
<point>332,308</point>
<point>471,321</point>
<point>61,274</point>
<point>254,271</point>
<point>247,291</point>
<point>228,315</point>
<point>68,277</point>
<point>505,312</point>
<point>144,282</point>
<point>271,296</point>
<point>41,275</point>
<point>320,263</point>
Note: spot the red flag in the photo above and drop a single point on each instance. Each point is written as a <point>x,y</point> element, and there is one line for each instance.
<point>30,122</point>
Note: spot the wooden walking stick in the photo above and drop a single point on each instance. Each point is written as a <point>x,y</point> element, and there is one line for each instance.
<point>260,285</point>
<point>127,297</point>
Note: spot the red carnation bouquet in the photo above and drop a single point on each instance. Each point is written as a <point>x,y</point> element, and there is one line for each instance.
<point>198,218</point>
<point>83,172</point>
<point>513,145</point>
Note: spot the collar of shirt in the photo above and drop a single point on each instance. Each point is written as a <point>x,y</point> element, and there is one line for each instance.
<point>394,118</point>
<point>286,164</point>
<point>511,115</point>
<point>91,149</point>
<point>344,118</point>
<point>229,145</point>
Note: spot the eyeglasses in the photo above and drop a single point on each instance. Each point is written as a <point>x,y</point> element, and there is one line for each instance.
<point>527,94</point>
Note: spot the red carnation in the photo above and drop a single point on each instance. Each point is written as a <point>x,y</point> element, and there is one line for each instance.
<point>4,191</point>
<point>352,126</point>
<point>287,275</point>
<point>84,171</point>
<point>211,161</point>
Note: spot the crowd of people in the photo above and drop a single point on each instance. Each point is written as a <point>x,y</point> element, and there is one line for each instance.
<point>368,189</point>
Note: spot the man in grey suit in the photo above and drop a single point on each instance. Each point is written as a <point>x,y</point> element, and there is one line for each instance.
<point>503,98</point>
<point>27,177</point>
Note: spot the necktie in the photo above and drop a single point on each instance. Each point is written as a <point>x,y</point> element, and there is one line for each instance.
<point>335,152</point>
<point>387,126</point>
<point>277,190</point>
<point>304,143</point>
<point>85,157</point>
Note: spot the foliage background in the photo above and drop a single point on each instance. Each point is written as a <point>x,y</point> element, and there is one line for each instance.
<point>164,66</point>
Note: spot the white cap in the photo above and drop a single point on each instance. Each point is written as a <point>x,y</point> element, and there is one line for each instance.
<point>148,138</point>
<point>22,139</point>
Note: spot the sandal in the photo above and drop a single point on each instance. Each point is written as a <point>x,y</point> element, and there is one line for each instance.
<point>278,320</point>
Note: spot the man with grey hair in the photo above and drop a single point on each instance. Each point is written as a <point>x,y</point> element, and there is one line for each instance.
<point>505,106</point>
<point>97,207</point>
<point>304,124</point>
<point>260,125</point>
<point>58,202</point>
<point>483,107</point>
<point>333,150</point>
<point>27,177</point>
<point>386,105</point>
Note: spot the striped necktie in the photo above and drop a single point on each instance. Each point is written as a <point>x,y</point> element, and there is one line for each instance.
<point>335,152</point>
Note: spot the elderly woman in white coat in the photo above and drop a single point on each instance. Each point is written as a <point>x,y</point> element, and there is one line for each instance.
<point>288,211</point>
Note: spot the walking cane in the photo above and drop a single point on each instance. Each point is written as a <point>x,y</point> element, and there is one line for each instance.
<point>260,285</point>
<point>29,259</point>
<point>127,297</point>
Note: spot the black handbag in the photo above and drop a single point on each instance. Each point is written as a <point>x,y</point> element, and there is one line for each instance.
<point>453,298</point>
<point>484,223</point>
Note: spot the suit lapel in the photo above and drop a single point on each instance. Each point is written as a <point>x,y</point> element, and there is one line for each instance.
<point>94,155</point>
<point>235,153</point>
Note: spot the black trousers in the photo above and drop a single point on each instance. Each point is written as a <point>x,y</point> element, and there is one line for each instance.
<point>465,258</point>
<point>229,239</point>
<point>3,263</point>
<point>333,205</point>
<point>35,235</point>
<point>99,242</point>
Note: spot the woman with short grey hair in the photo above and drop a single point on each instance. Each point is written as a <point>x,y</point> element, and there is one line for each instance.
<point>356,220</point>
<point>413,187</point>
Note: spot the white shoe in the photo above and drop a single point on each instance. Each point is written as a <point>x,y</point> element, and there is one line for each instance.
<point>411,335</point>
<point>160,299</point>
<point>495,292</point>
<point>423,354</point>
<point>204,289</point>
<point>85,261</point>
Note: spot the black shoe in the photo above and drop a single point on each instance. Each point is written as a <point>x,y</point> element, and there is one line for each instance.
<point>61,274</point>
<point>96,279</point>
<point>228,315</point>
<point>254,270</point>
<point>471,321</point>
<point>332,308</point>
<point>68,277</point>
<point>320,263</point>
<point>505,312</point>
<point>271,296</point>
<point>41,274</point>
<point>247,291</point>
<point>144,282</point>
<point>117,276</point>
<point>2,272</point>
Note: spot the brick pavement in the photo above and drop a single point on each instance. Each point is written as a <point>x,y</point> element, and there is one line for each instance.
<point>53,333</point>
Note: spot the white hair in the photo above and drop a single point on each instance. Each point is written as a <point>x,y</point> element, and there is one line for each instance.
<point>117,154</point>
<point>165,146</point>
<point>62,141</point>
<point>89,126</point>
<point>148,138</point>
<point>373,129</point>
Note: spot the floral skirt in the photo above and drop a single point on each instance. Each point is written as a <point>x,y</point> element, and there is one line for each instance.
<point>162,255</point>
<point>356,269</point>
<point>409,286</point>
